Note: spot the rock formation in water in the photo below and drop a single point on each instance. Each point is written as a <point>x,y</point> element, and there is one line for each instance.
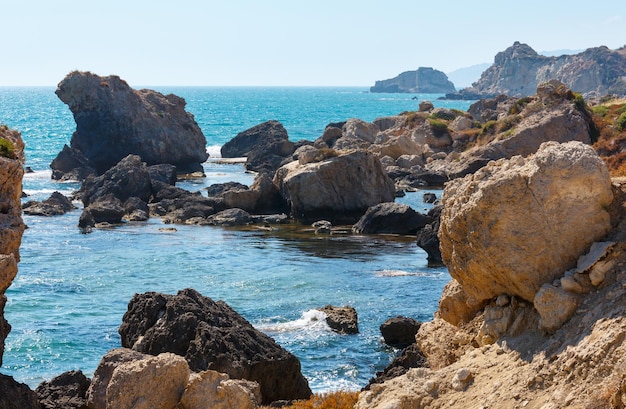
<point>518,70</point>
<point>424,80</point>
<point>113,120</point>
<point>211,335</point>
<point>338,189</point>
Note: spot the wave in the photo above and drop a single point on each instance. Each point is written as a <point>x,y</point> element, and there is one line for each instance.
<point>310,320</point>
<point>214,151</point>
<point>402,273</point>
<point>38,174</point>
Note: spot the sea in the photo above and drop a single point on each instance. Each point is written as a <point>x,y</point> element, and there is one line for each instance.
<point>72,289</point>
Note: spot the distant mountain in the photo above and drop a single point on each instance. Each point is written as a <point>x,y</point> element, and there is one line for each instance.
<point>518,70</point>
<point>466,76</point>
<point>424,80</point>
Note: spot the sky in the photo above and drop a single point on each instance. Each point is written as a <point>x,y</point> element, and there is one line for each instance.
<point>283,42</point>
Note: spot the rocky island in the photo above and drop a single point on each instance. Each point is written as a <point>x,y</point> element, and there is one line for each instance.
<point>424,80</point>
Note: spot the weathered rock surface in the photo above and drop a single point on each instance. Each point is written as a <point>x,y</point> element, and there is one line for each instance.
<point>399,331</point>
<point>71,164</point>
<point>55,205</point>
<point>210,335</point>
<point>113,121</point>
<point>410,357</point>
<point>11,224</point>
<point>65,391</point>
<point>424,80</point>
<point>214,390</point>
<point>515,225</point>
<point>427,238</point>
<point>339,189</point>
<point>390,218</point>
<point>518,70</point>
<point>15,395</point>
<point>343,320</point>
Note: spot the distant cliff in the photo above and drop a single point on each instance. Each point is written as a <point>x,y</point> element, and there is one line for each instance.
<point>518,70</point>
<point>424,80</point>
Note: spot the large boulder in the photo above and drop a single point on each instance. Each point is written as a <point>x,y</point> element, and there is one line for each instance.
<point>390,218</point>
<point>338,189</point>
<point>518,224</point>
<point>343,320</point>
<point>399,331</point>
<point>15,395</point>
<point>113,120</point>
<point>243,143</point>
<point>211,335</point>
<point>128,178</point>
<point>211,389</point>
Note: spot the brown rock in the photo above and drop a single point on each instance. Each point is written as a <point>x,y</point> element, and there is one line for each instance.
<point>343,320</point>
<point>214,390</point>
<point>518,224</point>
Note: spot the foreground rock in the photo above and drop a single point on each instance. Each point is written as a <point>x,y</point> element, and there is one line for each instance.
<point>113,120</point>
<point>338,189</point>
<point>15,395</point>
<point>66,391</point>
<point>516,225</point>
<point>210,335</point>
<point>498,356</point>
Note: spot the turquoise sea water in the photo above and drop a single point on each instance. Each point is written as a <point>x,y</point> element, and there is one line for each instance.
<point>72,289</point>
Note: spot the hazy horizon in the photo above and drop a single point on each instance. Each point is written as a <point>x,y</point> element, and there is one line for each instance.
<point>282,43</point>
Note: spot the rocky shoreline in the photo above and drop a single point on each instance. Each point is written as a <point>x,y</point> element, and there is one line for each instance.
<point>531,227</point>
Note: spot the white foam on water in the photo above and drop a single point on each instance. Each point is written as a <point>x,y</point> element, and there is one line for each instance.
<point>311,320</point>
<point>214,151</point>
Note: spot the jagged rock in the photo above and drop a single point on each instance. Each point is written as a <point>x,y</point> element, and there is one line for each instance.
<point>424,80</point>
<point>266,133</point>
<point>400,145</point>
<point>518,224</point>
<point>343,320</point>
<point>65,391</point>
<point>410,357</point>
<point>55,205</point>
<point>390,218</point>
<point>71,164</point>
<point>15,395</point>
<point>163,173</point>
<point>399,331</point>
<point>518,70</point>
<point>425,106</point>
<point>105,209</point>
<point>214,390</point>
<point>338,189</point>
<point>261,198</point>
<point>128,178</point>
<point>491,109</point>
<point>114,120</point>
<point>210,335</point>
<point>11,223</point>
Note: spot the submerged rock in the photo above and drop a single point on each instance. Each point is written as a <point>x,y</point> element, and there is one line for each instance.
<point>113,120</point>
<point>390,218</point>
<point>55,205</point>
<point>211,335</point>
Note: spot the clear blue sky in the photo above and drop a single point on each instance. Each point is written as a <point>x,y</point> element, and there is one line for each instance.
<point>284,42</point>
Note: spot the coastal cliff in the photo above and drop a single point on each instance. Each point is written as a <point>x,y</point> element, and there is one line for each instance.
<point>518,70</point>
<point>424,80</point>
<point>11,224</point>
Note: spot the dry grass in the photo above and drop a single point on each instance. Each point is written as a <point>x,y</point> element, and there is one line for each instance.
<point>330,400</point>
<point>611,143</point>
